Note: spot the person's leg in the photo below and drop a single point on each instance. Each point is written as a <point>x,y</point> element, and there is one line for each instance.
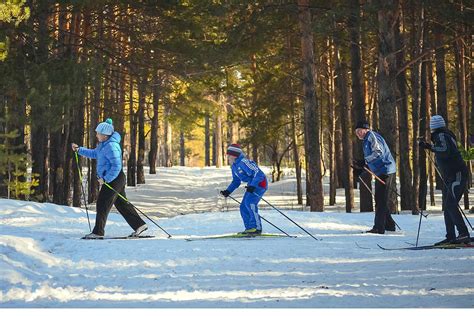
<point>245,211</point>
<point>126,209</point>
<point>380,207</point>
<point>453,196</point>
<point>448,222</point>
<point>390,182</point>
<point>104,203</point>
<point>251,203</point>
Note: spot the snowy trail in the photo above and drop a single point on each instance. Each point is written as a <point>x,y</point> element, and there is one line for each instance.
<point>43,263</point>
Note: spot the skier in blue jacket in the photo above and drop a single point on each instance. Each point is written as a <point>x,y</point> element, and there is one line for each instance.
<point>109,170</point>
<point>246,170</point>
<point>379,160</point>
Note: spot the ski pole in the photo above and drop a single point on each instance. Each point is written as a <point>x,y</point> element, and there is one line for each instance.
<point>82,189</point>
<point>136,208</point>
<point>419,228</point>
<point>370,190</point>
<point>286,216</point>
<point>263,218</point>
<point>446,187</point>
<point>380,180</point>
<point>365,184</point>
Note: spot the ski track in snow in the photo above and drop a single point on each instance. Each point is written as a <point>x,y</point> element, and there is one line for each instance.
<point>43,263</point>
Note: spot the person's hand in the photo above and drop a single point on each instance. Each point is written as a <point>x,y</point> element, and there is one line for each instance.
<point>101,181</point>
<point>357,172</point>
<point>359,164</point>
<point>250,189</point>
<point>424,145</point>
<point>75,147</point>
<point>225,193</point>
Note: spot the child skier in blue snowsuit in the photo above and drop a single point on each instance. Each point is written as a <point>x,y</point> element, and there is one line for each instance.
<point>246,170</point>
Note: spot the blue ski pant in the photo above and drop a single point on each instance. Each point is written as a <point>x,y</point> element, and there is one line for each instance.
<point>249,209</point>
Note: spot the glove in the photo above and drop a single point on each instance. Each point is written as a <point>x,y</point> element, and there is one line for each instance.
<point>424,145</point>
<point>359,164</point>
<point>357,172</point>
<point>251,189</point>
<point>225,193</point>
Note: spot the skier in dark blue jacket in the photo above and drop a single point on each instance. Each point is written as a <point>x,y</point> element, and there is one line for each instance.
<point>245,170</point>
<point>109,170</point>
<point>454,172</point>
<point>379,160</point>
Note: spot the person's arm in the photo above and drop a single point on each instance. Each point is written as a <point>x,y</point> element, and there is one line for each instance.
<point>114,156</point>
<point>443,145</point>
<point>235,183</point>
<point>375,147</point>
<point>88,153</point>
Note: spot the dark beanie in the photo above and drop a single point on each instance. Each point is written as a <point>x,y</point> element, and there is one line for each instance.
<point>362,124</point>
<point>234,150</point>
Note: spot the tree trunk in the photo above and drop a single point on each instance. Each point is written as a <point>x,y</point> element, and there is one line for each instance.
<point>93,188</point>
<point>431,111</point>
<point>132,155</point>
<point>417,47</point>
<point>333,179</point>
<point>358,97</point>
<point>218,132</point>
<point>77,136</point>
<point>182,150</point>
<point>388,18</point>
<point>142,91</point>
<point>294,132</point>
<point>207,141</point>
<point>152,155</point>
<point>39,105</point>
<point>463,115</point>
<point>424,112</point>
<point>442,101</point>
<point>406,187</point>
<point>167,157</point>
<point>342,93</point>
<point>312,110</point>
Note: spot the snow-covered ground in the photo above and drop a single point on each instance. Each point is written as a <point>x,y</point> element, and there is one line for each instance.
<point>44,263</point>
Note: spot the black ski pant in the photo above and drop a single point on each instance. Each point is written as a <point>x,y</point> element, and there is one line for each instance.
<point>107,198</point>
<point>452,193</point>
<point>383,219</point>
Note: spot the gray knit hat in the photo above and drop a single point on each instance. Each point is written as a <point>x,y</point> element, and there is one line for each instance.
<point>437,121</point>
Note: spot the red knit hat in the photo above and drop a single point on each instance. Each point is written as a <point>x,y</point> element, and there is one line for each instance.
<point>234,150</point>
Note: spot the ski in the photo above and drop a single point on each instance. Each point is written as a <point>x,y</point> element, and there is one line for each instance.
<point>361,247</point>
<point>426,247</point>
<point>239,236</point>
<point>120,237</point>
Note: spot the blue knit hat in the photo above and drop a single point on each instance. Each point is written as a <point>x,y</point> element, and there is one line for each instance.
<point>105,128</point>
<point>437,121</point>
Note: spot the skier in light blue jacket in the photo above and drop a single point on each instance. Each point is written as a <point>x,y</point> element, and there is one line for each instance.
<point>378,158</point>
<point>109,170</point>
<point>246,170</point>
